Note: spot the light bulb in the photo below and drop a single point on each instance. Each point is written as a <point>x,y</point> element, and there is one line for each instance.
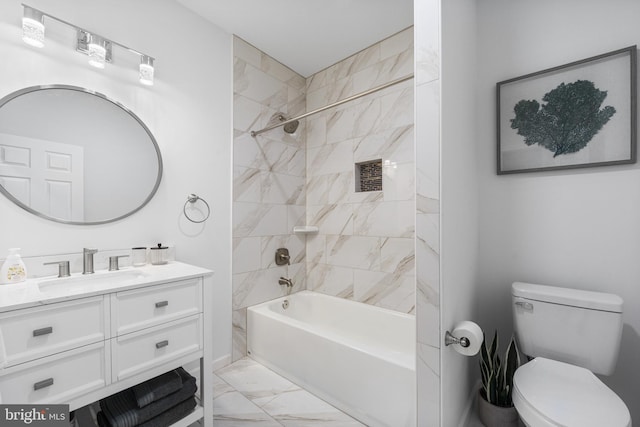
<point>33,27</point>
<point>146,70</point>
<point>97,51</point>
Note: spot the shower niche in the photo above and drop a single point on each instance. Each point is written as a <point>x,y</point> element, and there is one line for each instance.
<point>368,176</point>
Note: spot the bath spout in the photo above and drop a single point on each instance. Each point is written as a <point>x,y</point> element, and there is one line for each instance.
<point>287,282</point>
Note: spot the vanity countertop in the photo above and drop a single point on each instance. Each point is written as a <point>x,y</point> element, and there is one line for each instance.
<point>48,290</point>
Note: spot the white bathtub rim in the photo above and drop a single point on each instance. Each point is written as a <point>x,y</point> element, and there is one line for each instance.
<point>340,300</point>
<point>263,305</point>
<point>404,359</point>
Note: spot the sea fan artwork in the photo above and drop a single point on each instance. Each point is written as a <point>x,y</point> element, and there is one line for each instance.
<point>567,122</point>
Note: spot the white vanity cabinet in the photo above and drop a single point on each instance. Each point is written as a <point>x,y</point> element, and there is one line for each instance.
<point>59,378</point>
<point>33,333</point>
<point>153,325</point>
<point>79,346</point>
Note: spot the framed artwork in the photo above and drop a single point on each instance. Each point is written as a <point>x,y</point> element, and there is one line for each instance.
<point>577,115</point>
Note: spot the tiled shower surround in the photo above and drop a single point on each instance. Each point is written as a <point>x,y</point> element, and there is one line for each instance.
<point>268,183</point>
<point>365,246</point>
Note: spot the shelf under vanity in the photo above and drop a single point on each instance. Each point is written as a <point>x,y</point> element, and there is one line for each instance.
<point>80,339</point>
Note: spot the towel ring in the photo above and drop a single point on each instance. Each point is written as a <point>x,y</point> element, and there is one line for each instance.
<point>192,198</point>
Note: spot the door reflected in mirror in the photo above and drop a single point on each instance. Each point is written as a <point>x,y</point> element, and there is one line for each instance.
<point>75,156</point>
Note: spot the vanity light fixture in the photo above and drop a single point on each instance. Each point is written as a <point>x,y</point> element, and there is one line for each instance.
<point>97,48</point>
<point>33,27</point>
<point>146,70</point>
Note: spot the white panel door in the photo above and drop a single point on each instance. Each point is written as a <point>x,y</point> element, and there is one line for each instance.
<point>44,175</point>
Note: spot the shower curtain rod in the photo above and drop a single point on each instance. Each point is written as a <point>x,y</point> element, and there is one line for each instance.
<point>255,133</point>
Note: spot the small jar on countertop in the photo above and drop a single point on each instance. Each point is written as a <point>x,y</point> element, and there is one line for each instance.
<point>139,256</point>
<point>159,254</point>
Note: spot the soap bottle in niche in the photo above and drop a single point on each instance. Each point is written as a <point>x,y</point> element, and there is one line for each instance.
<point>13,270</point>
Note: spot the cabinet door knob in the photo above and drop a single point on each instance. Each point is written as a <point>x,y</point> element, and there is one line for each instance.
<point>162,304</point>
<point>162,344</point>
<point>42,384</point>
<point>42,331</point>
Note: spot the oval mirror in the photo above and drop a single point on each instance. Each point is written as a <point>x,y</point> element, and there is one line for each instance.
<point>74,156</point>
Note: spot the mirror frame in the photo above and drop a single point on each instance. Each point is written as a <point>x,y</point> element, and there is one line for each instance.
<point>30,89</point>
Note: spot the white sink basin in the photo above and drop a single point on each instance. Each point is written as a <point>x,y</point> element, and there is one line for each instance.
<point>84,281</point>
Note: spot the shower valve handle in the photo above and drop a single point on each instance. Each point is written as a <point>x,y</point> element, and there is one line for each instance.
<point>283,257</point>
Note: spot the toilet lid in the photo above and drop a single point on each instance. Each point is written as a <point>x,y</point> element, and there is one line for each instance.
<point>560,394</point>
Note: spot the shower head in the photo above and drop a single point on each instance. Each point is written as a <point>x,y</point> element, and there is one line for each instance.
<point>291,127</point>
<point>277,120</point>
<point>288,127</point>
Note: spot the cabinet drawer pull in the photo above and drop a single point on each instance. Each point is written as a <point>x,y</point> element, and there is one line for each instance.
<point>42,384</point>
<point>162,344</point>
<point>42,331</point>
<point>162,304</point>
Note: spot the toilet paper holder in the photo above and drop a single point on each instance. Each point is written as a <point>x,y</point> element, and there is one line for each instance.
<point>467,336</point>
<point>450,339</point>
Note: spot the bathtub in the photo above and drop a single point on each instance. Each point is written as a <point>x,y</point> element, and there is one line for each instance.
<point>357,357</point>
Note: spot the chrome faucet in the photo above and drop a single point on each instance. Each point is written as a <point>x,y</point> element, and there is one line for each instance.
<point>63,268</point>
<point>87,260</point>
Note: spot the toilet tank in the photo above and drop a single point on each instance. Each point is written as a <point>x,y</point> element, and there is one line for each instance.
<point>579,327</point>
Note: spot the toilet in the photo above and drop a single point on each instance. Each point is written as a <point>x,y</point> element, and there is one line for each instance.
<point>570,335</point>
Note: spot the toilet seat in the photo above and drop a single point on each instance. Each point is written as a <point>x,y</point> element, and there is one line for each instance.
<point>548,393</point>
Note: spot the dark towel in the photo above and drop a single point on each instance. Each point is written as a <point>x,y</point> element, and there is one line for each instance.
<point>102,420</point>
<point>174,414</point>
<point>121,409</point>
<point>157,388</point>
<point>166,418</point>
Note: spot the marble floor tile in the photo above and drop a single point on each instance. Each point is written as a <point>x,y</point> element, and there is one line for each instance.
<point>254,380</point>
<point>247,394</point>
<point>220,387</point>
<point>300,408</point>
<point>234,410</point>
<point>246,423</point>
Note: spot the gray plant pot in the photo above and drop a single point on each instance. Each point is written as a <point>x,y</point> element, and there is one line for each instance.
<point>497,416</point>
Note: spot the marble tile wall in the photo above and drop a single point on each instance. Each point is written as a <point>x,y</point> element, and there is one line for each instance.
<point>427,63</point>
<point>369,243</point>
<point>365,246</point>
<point>268,183</point>
<point>365,249</point>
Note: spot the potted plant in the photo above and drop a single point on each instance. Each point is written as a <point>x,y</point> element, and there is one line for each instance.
<point>495,407</point>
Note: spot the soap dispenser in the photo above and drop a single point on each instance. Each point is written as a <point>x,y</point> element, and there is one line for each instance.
<point>13,270</point>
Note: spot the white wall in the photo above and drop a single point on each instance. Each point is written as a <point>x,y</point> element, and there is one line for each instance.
<point>188,110</point>
<point>570,228</point>
<point>459,205</point>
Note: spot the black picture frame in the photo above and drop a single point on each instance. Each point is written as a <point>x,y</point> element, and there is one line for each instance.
<point>577,115</point>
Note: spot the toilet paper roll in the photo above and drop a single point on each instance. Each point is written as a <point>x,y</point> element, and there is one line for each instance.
<point>473,333</point>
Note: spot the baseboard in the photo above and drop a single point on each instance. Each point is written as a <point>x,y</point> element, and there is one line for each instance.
<point>221,362</point>
<point>468,418</point>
